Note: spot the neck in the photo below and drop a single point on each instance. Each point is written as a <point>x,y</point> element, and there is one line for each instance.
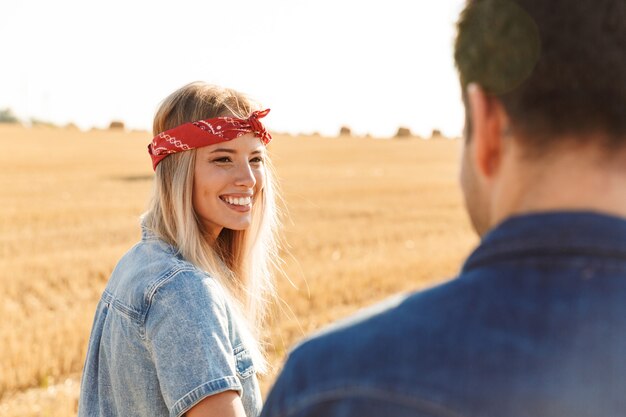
<point>211,235</point>
<point>573,179</point>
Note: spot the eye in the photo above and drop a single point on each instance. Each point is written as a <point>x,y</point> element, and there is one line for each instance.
<point>222,160</point>
<point>257,160</point>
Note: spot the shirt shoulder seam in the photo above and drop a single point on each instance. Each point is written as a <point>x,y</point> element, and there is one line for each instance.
<point>154,287</point>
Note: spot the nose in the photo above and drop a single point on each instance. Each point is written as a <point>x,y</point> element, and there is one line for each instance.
<point>245,176</point>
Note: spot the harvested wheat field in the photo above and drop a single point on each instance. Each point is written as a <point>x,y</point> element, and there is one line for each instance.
<point>366,218</point>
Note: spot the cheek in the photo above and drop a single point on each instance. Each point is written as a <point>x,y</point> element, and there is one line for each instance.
<point>198,200</point>
<point>203,189</point>
<point>259,176</point>
<point>468,183</point>
<point>195,190</point>
<point>464,173</point>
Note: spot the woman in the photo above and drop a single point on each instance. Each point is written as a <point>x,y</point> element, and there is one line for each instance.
<point>177,329</point>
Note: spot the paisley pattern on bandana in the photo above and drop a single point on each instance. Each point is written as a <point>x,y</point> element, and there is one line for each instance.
<point>206,132</point>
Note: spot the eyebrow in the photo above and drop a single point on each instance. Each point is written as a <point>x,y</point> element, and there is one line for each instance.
<point>234,151</point>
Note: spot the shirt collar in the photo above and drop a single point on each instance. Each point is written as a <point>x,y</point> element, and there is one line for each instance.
<point>552,234</point>
<point>146,233</point>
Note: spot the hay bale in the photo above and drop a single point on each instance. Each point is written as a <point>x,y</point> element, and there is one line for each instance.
<point>345,131</point>
<point>116,125</point>
<point>403,133</point>
<point>436,134</point>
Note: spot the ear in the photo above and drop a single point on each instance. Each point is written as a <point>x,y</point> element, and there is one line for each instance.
<point>488,122</point>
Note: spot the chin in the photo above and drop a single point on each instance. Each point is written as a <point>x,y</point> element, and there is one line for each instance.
<point>238,229</point>
<point>238,226</point>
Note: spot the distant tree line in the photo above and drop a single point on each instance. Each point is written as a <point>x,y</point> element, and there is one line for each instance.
<point>7,116</point>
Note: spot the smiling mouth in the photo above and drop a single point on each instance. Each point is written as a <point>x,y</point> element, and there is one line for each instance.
<point>241,202</point>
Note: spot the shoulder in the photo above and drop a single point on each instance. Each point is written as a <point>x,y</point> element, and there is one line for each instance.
<point>350,336</point>
<point>366,356</point>
<point>188,285</point>
<point>389,320</point>
<point>153,270</point>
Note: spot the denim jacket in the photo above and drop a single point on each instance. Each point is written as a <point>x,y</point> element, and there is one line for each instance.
<point>534,326</point>
<point>163,339</point>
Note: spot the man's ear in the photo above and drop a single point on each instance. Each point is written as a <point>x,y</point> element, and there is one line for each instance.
<point>488,124</point>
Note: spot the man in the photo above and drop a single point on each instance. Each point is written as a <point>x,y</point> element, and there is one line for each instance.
<point>535,324</point>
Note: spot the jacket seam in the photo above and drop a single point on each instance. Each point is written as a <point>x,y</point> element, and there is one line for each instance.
<point>343,393</point>
<point>152,290</point>
<point>243,372</point>
<point>580,260</point>
<point>120,307</point>
<point>193,397</point>
<point>489,251</point>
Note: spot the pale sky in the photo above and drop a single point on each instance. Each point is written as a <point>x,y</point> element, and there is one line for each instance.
<point>370,65</point>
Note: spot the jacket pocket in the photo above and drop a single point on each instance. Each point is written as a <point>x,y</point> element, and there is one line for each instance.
<point>243,362</point>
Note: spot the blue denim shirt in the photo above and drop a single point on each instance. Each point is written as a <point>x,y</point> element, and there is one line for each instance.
<point>534,326</point>
<point>163,338</point>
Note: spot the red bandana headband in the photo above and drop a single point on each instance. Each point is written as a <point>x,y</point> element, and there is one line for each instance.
<point>206,132</point>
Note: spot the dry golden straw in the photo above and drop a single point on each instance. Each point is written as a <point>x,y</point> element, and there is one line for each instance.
<point>367,218</point>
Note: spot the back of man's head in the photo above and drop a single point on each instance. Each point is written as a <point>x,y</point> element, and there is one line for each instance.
<point>557,66</point>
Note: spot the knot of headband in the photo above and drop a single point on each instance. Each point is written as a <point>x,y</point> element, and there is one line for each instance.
<point>206,132</point>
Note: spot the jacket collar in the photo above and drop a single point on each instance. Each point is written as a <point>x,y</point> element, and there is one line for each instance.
<point>552,234</point>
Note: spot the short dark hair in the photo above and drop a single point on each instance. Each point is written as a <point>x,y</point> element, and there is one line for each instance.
<point>557,66</point>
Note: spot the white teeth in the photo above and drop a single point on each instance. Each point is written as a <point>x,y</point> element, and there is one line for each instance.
<point>241,201</point>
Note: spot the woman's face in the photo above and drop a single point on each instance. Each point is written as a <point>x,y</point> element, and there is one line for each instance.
<point>228,177</point>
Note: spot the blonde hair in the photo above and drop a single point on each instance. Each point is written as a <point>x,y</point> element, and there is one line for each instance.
<point>240,260</point>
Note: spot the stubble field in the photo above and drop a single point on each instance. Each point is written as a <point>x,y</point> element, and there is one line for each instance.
<point>365,219</point>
